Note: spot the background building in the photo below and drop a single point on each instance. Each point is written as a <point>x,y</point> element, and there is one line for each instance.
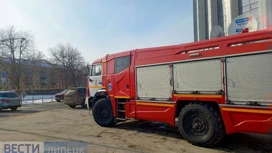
<point>43,77</point>
<point>213,13</point>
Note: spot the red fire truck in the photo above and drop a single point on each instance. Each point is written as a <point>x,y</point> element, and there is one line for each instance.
<point>207,89</point>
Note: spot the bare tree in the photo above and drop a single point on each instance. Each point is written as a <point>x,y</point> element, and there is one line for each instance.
<point>14,48</point>
<point>70,61</point>
<point>35,57</point>
<point>32,68</point>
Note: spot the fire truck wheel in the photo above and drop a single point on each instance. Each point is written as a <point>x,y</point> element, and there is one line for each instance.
<point>83,104</point>
<point>102,113</point>
<point>72,106</point>
<point>200,124</point>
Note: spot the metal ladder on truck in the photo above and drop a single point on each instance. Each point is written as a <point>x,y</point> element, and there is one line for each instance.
<point>121,113</point>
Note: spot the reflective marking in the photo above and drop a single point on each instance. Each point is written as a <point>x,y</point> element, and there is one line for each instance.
<point>154,104</point>
<point>127,97</point>
<point>247,110</point>
<point>96,86</point>
<point>198,96</point>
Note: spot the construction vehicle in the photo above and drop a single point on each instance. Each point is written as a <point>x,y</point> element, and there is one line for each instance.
<point>207,89</point>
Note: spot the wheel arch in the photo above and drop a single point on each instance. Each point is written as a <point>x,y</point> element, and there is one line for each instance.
<point>102,93</point>
<point>182,103</point>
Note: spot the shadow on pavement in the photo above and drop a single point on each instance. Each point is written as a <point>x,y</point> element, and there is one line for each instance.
<point>78,108</point>
<point>18,111</point>
<point>232,143</point>
<point>243,142</point>
<point>69,139</point>
<point>9,113</point>
<point>150,127</point>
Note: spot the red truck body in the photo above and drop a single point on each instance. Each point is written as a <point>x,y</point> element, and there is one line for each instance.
<point>231,74</point>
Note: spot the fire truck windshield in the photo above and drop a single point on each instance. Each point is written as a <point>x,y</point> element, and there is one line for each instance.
<point>96,70</point>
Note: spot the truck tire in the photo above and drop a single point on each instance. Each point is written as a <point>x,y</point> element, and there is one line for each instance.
<point>102,113</point>
<point>72,106</point>
<point>200,124</point>
<point>90,103</point>
<point>13,108</point>
<point>83,104</point>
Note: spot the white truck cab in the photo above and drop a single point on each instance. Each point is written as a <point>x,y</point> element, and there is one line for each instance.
<point>94,82</point>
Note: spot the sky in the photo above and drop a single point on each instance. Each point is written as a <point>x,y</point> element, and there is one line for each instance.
<point>100,27</point>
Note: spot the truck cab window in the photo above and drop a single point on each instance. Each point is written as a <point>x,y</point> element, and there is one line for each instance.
<point>121,63</point>
<point>96,70</point>
<point>89,69</point>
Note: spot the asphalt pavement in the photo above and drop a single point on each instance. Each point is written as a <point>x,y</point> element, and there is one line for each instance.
<point>31,108</point>
<point>65,123</point>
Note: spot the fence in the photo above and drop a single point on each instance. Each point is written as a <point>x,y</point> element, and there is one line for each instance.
<point>37,99</point>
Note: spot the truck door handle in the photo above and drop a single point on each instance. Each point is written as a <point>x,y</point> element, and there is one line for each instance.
<point>127,86</point>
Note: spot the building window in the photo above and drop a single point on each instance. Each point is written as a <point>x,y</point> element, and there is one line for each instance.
<point>249,7</point>
<point>53,79</point>
<point>220,13</point>
<point>43,81</point>
<point>245,2</point>
<point>206,20</point>
<point>121,63</point>
<point>28,77</point>
<point>43,78</point>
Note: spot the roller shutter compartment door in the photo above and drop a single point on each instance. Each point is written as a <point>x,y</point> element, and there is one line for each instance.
<point>153,82</point>
<point>202,76</point>
<point>249,78</point>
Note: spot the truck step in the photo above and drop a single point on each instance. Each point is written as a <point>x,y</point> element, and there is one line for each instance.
<point>121,119</point>
<point>121,111</point>
<point>121,103</point>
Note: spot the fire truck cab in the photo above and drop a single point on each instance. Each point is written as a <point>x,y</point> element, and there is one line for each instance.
<point>207,89</point>
<point>94,83</point>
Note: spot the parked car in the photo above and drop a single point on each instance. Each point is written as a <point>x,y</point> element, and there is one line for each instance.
<point>10,100</point>
<point>60,96</point>
<point>75,96</point>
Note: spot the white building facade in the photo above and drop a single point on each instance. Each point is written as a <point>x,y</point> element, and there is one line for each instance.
<point>210,13</point>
